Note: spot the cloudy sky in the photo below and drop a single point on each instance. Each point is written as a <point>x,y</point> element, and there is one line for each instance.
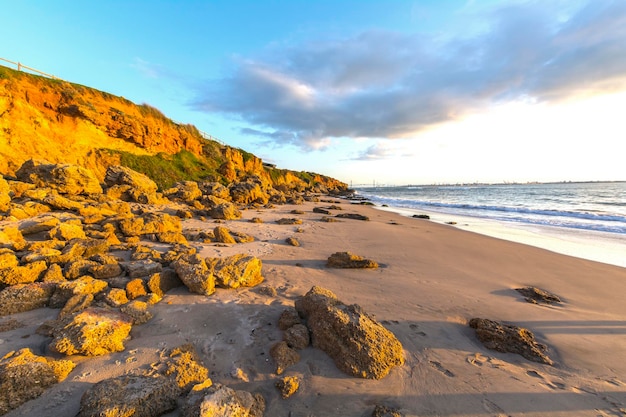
<point>397,92</point>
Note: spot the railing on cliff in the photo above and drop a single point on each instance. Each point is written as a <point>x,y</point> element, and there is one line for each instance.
<point>21,67</point>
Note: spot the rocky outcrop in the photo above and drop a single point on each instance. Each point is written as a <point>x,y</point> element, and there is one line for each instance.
<point>535,295</point>
<point>222,401</point>
<point>25,297</point>
<point>236,271</point>
<point>510,338</point>
<point>195,274</point>
<point>92,332</point>
<point>129,185</point>
<point>64,178</point>
<point>25,376</point>
<point>359,345</point>
<point>349,260</point>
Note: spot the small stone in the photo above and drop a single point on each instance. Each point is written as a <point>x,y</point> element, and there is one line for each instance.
<point>288,386</point>
<point>283,356</point>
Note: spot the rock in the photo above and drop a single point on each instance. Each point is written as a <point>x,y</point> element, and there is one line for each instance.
<point>421,216</point>
<point>25,376</point>
<point>8,259</point>
<point>248,192</point>
<point>283,356</point>
<point>222,235</point>
<point>76,303</point>
<point>149,223</point>
<point>288,318</point>
<point>509,338</point>
<point>22,274</point>
<point>138,311</point>
<point>58,202</point>
<point>535,295</point>
<point>137,269</point>
<point>12,238</point>
<point>241,237</point>
<point>236,271</point>
<point>184,367</point>
<point>320,210</point>
<point>288,386</point>
<point>383,411</point>
<point>289,221</point>
<point>349,260</point>
<point>53,274</point>
<point>119,175</point>
<point>353,216</point>
<point>25,297</point>
<point>77,268</point>
<point>67,231</point>
<point>222,401</point>
<point>135,288</point>
<point>65,178</point>
<point>160,283</point>
<point>256,220</point>
<point>214,189</point>
<point>195,274</point>
<point>92,332</point>
<point>116,297</point>
<point>187,191</point>
<point>225,211</point>
<point>297,336</point>
<point>268,290</point>
<point>172,238</point>
<point>37,225</point>
<point>292,241</point>
<point>106,271</point>
<point>359,345</point>
<point>5,197</point>
<point>83,285</point>
<point>129,395</point>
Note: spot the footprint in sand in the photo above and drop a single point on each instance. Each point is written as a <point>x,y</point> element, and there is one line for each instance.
<point>544,381</point>
<point>492,407</point>
<point>440,368</point>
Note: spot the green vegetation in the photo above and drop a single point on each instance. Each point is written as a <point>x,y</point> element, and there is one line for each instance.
<point>246,155</point>
<point>166,169</point>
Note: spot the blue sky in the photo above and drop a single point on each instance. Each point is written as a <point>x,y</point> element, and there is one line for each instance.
<point>395,92</point>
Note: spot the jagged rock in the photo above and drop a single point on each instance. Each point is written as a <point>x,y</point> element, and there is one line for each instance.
<point>149,223</point>
<point>8,259</point>
<point>187,191</point>
<point>283,356</point>
<point>509,338</point>
<point>12,238</point>
<point>25,376</point>
<point>116,297</point>
<point>106,271</point>
<point>214,189</point>
<point>241,237</point>
<point>535,295</point>
<point>222,401</point>
<point>248,192</point>
<point>353,216</point>
<point>27,210</point>
<point>288,318</point>
<point>225,211</point>
<point>67,231</point>
<point>292,241</point>
<point>77,268</point>
<point>137,269</point>
<point>236,271</point>
<point>83,285</point>
<point>222,235</point>
<point>288,386</point>
<point>145,253</point>
<point>349,260</point>
<point>138,311</point>
<point>25,297</point>
<point>92,332</point>
<point>59,202</point>
<point>161,282</point>
<point>37,225</point>
<point>129,395</point>
<point>135,288</point>
<point>358,344</point>
<point>384,411</point>
<point>5,197</point>
<point>289,221</point>
<point>320,210</point>
<point>183,365</point>
<point>297,336</point>
<point>65,178</point>
<point>172,238</point>
<point>41,254</point>
<point>53,274</point>
<point>119,175</point>
<point>22,274</point>
<point>76,303</point>
<point>195,274</point>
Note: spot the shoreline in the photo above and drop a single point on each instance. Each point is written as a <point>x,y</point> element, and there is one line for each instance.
<point>608,248</point>
<point>433,278</point>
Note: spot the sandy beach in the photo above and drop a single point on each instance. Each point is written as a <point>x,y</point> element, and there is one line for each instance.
<point>433,278</point>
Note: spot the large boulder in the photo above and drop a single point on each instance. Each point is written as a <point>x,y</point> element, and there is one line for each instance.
<point>129,395</point>
<point>236,271</point>
<point>25,297</point>
<point>248,192</point>
<point>358,344</point>
<point>509,338</point>
<point>222,401</point>
<point>11,237</point>
<point>22,274</point>
<point>195,274</point>
<point>225,211</point>
<point>25,376</point>
<point>150,223</point>
<point>119,175</point>
<point>92,332</point>
<point>187,191</point>
<point>65,178</point>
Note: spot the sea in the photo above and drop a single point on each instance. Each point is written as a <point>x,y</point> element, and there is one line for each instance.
<point>582,219</point>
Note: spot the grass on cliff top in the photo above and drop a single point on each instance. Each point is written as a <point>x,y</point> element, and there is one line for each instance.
<point>166,169</point>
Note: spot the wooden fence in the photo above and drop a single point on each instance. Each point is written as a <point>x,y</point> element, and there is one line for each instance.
<point>21,67</point>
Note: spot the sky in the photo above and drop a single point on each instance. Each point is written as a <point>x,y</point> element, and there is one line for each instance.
<point>391,92</point>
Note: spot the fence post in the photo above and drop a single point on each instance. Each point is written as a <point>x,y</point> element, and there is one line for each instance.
<point>19,66</point>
